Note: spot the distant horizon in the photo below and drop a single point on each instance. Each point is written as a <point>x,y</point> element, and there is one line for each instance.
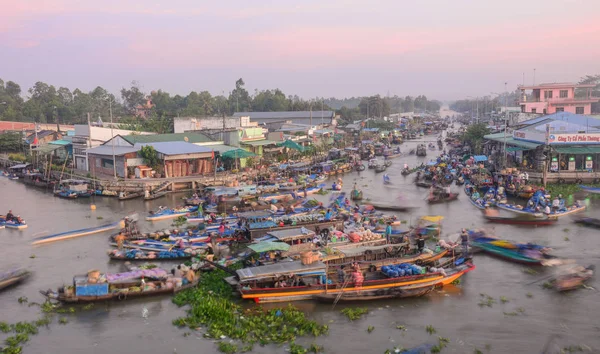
<point>443,50</point>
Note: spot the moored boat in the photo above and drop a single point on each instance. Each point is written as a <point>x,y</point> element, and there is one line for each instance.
<point>75,233</point>
<point>12,277</point>
<point>519,253</point>
<point>163,214</point>
<point>590,189</point>
<point>442,199</point>
<point>524,210</point>
<point>150,256</point>
<point>522,220</point>
<point>593,222</point>
<point>15,223</point>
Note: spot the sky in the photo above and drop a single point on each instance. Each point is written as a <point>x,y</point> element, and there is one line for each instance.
<point>329,48</point>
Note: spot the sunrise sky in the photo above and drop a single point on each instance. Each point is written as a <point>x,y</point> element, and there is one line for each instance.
<point>444,49</point>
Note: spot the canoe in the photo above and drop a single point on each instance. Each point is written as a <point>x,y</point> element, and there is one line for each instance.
<point>12,224</point>
<point>434,200</point>
<point>593,222</point>
<point>391,207</point>
<point>590,189</point>
<point>171,213</point>
<point>128,196</point>
<point>76,233</point>
<point>520,210</point>
<point>522,220</point>
<point>156,195</point>
<point>13,277</point>
<point>506,253</point>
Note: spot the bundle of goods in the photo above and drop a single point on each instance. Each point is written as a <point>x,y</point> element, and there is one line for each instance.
<point>310,257</point>
<point>362,235</point>
<point>155,273</point>
<point>402,270</point>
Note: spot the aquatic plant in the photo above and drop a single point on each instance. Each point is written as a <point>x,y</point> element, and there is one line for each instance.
<point>400,327</point>
<point>354,313</point>
<point>529,295</point>
<point>456,282</point>
<point>63,320</point>
<point>430,329</point>
<point>297,349</point>
<point>370,329</point>
<point>442,343</point>
<point>486,300</point>
<point>211,307</point>
<point>22,299</point>
<point>315,348</point>
<point>228,348</point>
<point>503,299</point>
<point>566,238</point>
<point>530,271</point>
<point>99,218</point>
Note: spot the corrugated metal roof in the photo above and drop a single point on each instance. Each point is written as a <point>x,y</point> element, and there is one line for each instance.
<point>176,148</point>
<point>60,142</point>
<point>259,142</point>
<point>568,117</point>
<point>44,149</point>
<point>286,115</point>
<point>108,150</point>
<point>173,137</point>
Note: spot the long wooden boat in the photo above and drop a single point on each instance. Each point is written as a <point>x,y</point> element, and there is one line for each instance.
<point>506,253</point>
<point>76,233</point>
<point>258,232</point>
<point>590,189</point>
<point>593,222</point>
<point>423,184</point>
<point>65,194</point>
<point>376,283</point>
<point>391,207</point>
<point>437,200</point>
<point>394,293</point>
<point>153,196</point>
<point>127,196</point>
<point>522,220</point>
<point>61,296</point>
<point>368,256</point>
<point>142,256</point>
<point>520,210</point>
<point>171,213</point>
<point>13,277</point>
<point>12,224</point>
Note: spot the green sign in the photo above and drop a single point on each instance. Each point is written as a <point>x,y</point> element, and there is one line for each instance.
<point>588,158</point>
<point>555,159</point>
<point>571,158</point>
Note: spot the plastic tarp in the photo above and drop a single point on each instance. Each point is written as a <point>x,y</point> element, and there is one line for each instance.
<point>434,219</point>
<point>237,154</point>
<point>268,246</point>
<point>480,158</point>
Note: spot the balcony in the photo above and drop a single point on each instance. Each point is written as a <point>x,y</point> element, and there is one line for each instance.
<point>553,101</point>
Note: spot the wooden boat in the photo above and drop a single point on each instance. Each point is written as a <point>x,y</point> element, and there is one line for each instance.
<point>593,222</point>
<point>63,296</point>
<point>65,194</point>
<point>194,201</point>
<point>510,254</point>
<point>77,233</point>
<point>393,156</point>
<point>522,220</point>
<point>361,295</point>
<point>388,207</point>
<point>356,195</point>
<point>521,210</point>
<point>573,280</point>
<point>153,196</point>
<point>367,256</point>
<point>423,184</point>
<point>139,255</point>
<point>380,168</point>
<point>376,284</point>
<point>13,277</point>
<point>256,232</point>
<point>129,195</point>
<point>13,224</point>
<point>438,199</point>
<point>590,189</point>
<point>171,213</point>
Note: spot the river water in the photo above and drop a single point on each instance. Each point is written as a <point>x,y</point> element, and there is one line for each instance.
<point>542,315</point>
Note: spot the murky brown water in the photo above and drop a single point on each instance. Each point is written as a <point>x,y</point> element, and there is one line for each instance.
<point>454,312</point>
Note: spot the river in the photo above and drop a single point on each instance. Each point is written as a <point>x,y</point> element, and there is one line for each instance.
<point>541,314</point>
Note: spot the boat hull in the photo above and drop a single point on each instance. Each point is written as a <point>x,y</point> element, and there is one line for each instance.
<point>506,254</point>
<point>513,208</point>
<point>76,233</point>
<point>520,221</point>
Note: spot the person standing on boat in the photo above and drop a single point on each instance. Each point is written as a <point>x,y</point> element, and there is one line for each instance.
<point>9,216</point>
<point>120,240</point>
<point>341,274</point>
<point>464,241</point>
<point>420,243</point>
<point>328,215</point>
<point>388,232</point>
<point>555,204</point>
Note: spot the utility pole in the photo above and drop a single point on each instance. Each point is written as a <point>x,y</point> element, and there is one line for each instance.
<point>112,139</point>
<point>505,124</point>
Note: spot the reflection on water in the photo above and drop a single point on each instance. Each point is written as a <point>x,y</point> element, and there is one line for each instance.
<point>453,311</point>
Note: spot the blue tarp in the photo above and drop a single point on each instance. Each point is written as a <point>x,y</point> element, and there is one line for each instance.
<point>480,158</point>
<point>431,163</point>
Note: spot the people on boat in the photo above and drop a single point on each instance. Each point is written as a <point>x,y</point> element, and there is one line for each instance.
<point>547,210</point>
<point>388,232</point>
<point>475,195</point>
<point>341,274</point>
<point>328,215</point>
<point>555,204</point>
<point>9,216</point>
<point>120,239</point>
<point>464,241</point>
<point>420,243</point>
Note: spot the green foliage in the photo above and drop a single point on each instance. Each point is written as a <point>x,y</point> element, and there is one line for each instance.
<point>370,329</point>
<point>474,134</point>
<point>10,141</point>
<point>430,329</point>
<point>17,157</point>
<point>211,307</point>
<point>227,348</point>
<point>297,349</point>
<point>150,156</point>
<point>355,313</point>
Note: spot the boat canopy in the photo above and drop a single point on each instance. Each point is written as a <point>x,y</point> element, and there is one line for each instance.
<point>268,246</point>
<point>434,219</point>
<point>19,166</point>
<point>292,234</point>
<point>278,269</point>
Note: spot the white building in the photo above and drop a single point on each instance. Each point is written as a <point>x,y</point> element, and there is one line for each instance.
<point>88,137</point>
<point>187,124</point>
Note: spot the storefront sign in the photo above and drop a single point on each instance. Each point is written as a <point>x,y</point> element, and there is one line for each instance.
<point>580,138</point>
<point>554,165</point>
<point>589,163</point>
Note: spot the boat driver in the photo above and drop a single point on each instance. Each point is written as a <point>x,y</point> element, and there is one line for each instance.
<point>9,216</point>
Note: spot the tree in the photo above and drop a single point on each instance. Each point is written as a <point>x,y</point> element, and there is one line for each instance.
<point>474,134</point>
<point>239,99</point>
<point>10,141</point>
<point>374,106</point>
<point>132,97</point>
<point>150,156</point>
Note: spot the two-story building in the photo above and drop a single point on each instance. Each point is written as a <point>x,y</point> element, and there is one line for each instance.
<point>557,97</point>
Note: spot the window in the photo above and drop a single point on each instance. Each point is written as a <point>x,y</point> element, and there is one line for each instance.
<point>106,163</point>
<point>98,160</point>
<point>547,94</point>
<point>564,93</point>
<point>579,110</point>
<point>534,110</point>
<point>560,109</point>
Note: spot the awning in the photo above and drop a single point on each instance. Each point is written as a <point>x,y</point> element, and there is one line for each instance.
<point>259,142</point>
<point>511,141</point>
<point>515,148</point>
<point>45,149</point>
<point>221,148</point>
<point>577,149</point>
